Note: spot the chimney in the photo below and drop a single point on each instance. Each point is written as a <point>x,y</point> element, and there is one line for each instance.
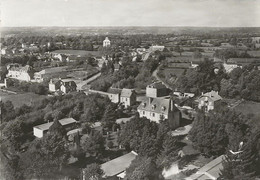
<point>171,104</point>
<point>150,100</point>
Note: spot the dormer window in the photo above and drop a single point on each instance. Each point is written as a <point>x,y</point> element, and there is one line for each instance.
<point>153,106</point>
<point>144,104</point>
<point>163,108</point>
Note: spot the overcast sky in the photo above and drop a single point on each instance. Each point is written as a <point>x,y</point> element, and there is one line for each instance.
<point>228,13</point>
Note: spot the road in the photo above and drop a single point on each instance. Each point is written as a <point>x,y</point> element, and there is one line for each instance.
<point>154,74</point>
<point>80,84</point>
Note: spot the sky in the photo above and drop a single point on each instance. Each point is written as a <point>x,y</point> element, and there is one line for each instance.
<point>210,13</point>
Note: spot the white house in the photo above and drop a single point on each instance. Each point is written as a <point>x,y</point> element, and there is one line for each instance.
<point>128,97</point>
<point>157,109</point>
<point>209,100</point>
<point>106,42</point>
<point>40,130</point>
<point>21,73</point>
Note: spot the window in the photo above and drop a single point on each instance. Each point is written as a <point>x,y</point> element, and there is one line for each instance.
<point>143,112</point>
<point>153,114</point>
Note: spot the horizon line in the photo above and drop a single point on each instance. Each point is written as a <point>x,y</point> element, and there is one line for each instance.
<point>130,26</point>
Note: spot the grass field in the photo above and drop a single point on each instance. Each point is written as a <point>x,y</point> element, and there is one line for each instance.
<point>254,53</point>
<point>248,107</point>
<point>21,99</point>
<point>77,52</point>
<point>176,71</point>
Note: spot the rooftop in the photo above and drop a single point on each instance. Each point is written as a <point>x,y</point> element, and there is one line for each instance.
<point>127,92</point>
<point>213,95</point>
<point>118,165</point>
<point>209,171</point>
<point>63,122</point>
<point>157,85</point>
<point>158,105</point>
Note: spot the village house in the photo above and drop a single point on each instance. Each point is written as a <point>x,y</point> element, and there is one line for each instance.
<point>209,100</point>
<point>67,123</point>
<point>157,109</point>
<point>156,48</point>
<point>183,94</point>
<point>60,57</point>
<point>106,42</point>
<point>3,51</point>
<point>117,67</point>
<point>63,85</point>
<point>21,73</point>
<point>54,85</point>
<point>68,85</point>
<point>128,97</point>
<point>157,89</point>
<point>229,67</point>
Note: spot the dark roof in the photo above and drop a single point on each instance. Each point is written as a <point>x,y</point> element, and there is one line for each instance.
<point>127,92</point>
<point>157,85</point>
<point>63,122</point>
<point>118,165</point>
<point>114,91</point>
<point>158,105</point>
<point>213,95</point>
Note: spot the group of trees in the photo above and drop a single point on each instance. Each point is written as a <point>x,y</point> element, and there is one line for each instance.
<point>156,148</point>
<point>243,83</point>
<point>37,88</point>
<point>202,79</point>
<point>219,131</point>
<point>42,157</point>
<point>225,54</point>
<point>130,75</point>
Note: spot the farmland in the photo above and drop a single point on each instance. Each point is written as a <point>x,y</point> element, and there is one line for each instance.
<point>77,52</point>
<point>248,107</point>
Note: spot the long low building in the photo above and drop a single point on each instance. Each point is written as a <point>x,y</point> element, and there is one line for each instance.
<point>40,130</point>
<point>209,171</point>
<point>117,167</point>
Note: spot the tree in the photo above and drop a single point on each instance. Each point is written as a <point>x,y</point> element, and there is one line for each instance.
<point>45,157</point>
<point>244,165</point>
<point>94,144</point>
<point>109,117</point>
<point>169,152</point>
<point>178,49</point>
<point>92,172</point>
<point>143,168</point>
<point>57,129</point>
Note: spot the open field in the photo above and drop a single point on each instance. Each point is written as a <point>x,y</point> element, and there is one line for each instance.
<point>77,52</point>
<point>20,99</point>
<point>176,71</point>
<point>254,53</point>
<point>248,107</point>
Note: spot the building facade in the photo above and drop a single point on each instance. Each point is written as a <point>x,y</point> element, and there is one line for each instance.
<point>209,100</point>
<point>157,109</point>
<point>128,97</point>
<point>106,42</point>
<point>21,73</point>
